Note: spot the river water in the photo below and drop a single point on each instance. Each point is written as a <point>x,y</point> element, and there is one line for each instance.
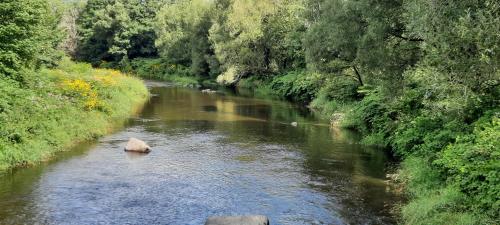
<point>213,154</point>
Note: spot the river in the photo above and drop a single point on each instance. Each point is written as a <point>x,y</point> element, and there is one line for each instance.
<point>213,154</point>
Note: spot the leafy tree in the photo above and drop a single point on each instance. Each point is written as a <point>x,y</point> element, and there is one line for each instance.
<point>182,29</point>
<point>460,66</point>
<point>28,35</point>
<point>257,37</point>
<point>116,30</point>
<point>365,39</point>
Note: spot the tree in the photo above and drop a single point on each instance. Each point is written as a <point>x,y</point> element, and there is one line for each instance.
<point>363,39</point>
<point>460,67</point>
<point>116,30</point>
<point>257,37</point>
<point>28,35</point>
<point>182,30</point>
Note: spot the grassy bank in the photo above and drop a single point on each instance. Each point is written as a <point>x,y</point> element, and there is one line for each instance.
<point>56,108</point>
<point>155,69</point>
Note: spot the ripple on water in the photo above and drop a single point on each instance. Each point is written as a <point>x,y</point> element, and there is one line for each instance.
<point>199,167</point>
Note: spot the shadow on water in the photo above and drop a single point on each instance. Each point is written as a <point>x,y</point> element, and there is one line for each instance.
<point>212,155</point>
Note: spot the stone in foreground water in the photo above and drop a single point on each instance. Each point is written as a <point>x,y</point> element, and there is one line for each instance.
<point>238,220</point>
<point>136,145</point>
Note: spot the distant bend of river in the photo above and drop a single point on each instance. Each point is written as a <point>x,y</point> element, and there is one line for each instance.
<point>213,154</point>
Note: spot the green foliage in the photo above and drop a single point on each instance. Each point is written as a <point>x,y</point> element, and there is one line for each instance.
<point>258,37</point>
<point>160,70</point>
<point>28,35</point>
<point>340,89</point>
<point>325,105</point>
<point>461,42</point>
<point>365,37</point>
<point>182,29</point>
<point>113,29</point>
<point>335,95</point>
<point>53,111</point>
<point>299,86</point>
<point>426,135</point>
<point>474,164</point>
<point>373,117</point>
<point>432,201</point>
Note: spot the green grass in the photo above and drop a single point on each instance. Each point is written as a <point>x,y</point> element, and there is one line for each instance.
<point>433,201</point>
<point>182,81</point>
<point>60,107</point>
<point>158,70</point>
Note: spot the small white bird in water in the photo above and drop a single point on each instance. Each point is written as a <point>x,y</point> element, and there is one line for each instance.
<point>294,124</point>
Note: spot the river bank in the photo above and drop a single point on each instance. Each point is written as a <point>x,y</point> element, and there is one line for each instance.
<point>56,108</point>
<point>213,154</point>
<point>436,176</point>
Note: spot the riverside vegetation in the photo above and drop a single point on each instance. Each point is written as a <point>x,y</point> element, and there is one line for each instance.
<point>418,77</point>
<point>47,102</point>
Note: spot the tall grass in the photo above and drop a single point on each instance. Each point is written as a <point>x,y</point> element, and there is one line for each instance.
<point>158,70</point>
<point>433,201</point>
<point>60,107</point>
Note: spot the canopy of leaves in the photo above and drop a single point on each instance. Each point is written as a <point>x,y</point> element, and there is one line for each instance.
<point>258,37</point>
<point>28,34</point>
<point>113,30</point>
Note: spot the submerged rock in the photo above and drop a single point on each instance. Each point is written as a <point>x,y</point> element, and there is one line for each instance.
<point>209,91</point>
<point>238,220</point>
<point>136,145</point>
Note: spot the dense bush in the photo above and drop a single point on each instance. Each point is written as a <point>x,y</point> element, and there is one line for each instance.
<point>473,162</point>
<point>373,117</point>
<point>112,31</point>
<point>300,86</point>
<point>335,95</point>
<point>435,201</point>
<point>340,89</point>
<point>161,70</point>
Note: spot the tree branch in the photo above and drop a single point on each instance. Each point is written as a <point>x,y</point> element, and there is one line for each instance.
<point>406,38</point>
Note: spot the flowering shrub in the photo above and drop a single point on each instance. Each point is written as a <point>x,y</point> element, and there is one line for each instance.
<point>82,91</point>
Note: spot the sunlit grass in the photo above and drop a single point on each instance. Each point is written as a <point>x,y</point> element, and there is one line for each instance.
<point>63,106</point>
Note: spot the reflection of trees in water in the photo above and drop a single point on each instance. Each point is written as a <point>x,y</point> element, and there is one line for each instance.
<point>352,174</point>
<point>349,173</point>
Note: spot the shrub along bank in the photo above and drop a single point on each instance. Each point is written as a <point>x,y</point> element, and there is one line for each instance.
<point>56,108</point>
<point>158,70</point>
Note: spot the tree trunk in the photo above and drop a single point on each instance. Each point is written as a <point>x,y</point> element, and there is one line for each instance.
<point>358,75</point>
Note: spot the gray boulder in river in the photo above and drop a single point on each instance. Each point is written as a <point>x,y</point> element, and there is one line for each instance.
<point>136,145</point>
<point>238,220</point>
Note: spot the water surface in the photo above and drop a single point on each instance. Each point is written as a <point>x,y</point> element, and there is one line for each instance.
<point>213,154</point>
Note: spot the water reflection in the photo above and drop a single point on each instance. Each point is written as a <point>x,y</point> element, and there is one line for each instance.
<point>212,155</point>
